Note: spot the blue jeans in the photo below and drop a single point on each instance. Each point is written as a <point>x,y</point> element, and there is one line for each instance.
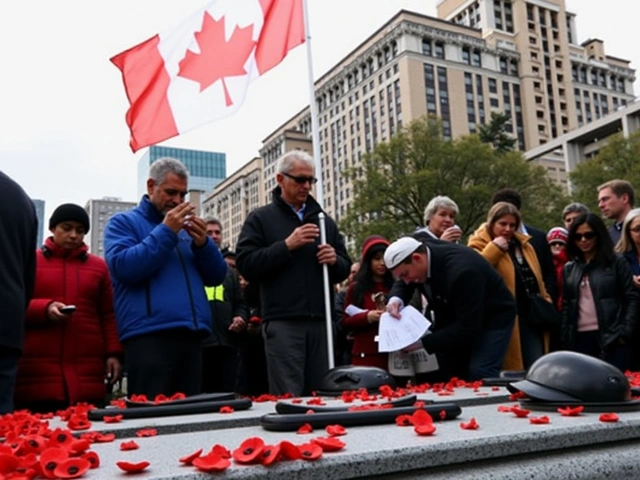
<point>488,352</point>
<point>8,369</point>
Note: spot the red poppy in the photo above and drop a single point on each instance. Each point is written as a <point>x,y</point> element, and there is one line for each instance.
<point>118,403</point>
<point>132,467</point>
<point>289,451</point>
<point>296,401</point>
<point>470,425</point>
<point>147,432</point>
<point>425,429</point>
<point>336,430</point>
<point>442,414</point>
<point>331,444</point>
<point>520,412</point>
<point>495,389</point>
<point>421,417</point>
<point>386,390</point>
<point>141,398</point>
<point>50,459</point>
<point>249,450</point>
<point>571,412</point>
<point>609,417</point>
<point>226,409</point>
<point>80,446</point>
<point>315,401</point>
<point>78,422</point>
<point>539,420</point>
<point>161,398</point>
<point>112,419</point>
<point>105,437</point>
<point>178,396</point>
<point>504,408</point>
<point>8,463</point>
<point>310,412</point>
<point>310,451</point>
<point>270,454</point>
<point>221,450</point>
<point>32,444</point>
<point>72,468</point>
<point>404,420</point>
<point>131,445</point>
<point>211,462</point>
<point>188,459</point>
<point>304,429</point>
<point>93,457</point>
<point>517,396</point>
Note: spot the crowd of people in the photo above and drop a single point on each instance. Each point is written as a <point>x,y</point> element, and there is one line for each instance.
<point>175,312</point>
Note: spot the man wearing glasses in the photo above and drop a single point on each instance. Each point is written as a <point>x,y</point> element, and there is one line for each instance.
<point>160,259</point>
<point>279,248</point>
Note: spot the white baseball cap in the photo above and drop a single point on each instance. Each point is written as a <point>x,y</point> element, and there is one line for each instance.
<point>399,251</point>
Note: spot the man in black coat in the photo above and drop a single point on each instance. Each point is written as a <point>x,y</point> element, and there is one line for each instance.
<point>230,315</point>
<point>470,306</point>
<point>279,249</point>
<point>18,234</point>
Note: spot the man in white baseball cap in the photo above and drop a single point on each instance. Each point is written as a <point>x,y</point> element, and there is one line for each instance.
<point>472,309</point>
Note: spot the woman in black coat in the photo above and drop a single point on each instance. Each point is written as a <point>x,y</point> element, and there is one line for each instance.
<point>600,304</point>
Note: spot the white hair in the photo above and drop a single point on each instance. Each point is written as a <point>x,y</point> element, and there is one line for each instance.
<point>435,203</point>
<point>285,163</point>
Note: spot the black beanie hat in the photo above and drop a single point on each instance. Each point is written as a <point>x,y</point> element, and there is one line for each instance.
<point>69,211</point>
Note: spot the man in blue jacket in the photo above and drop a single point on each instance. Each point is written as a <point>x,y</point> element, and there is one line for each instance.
<point>160,259</point>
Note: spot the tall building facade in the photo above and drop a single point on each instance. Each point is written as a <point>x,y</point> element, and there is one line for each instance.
<point>521,58</point>
<point>206,169</point>
<point>39,207</point>
<point>234,198</point>
<point>100,211</point>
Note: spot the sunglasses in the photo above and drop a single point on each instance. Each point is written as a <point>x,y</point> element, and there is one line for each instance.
<point>301,179</point>
<point>585,235</point>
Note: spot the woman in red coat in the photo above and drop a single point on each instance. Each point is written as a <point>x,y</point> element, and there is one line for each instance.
<point>68,352</point>
<point>372,278</point>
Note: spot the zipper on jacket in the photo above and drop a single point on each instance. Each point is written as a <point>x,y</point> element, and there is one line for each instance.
<point>186,276</point>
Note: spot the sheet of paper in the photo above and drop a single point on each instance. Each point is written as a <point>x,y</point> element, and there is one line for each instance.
<point>352,310</point>
<point>394,334</point>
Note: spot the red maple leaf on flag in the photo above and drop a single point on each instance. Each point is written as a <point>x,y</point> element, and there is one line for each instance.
<point>218,58</point>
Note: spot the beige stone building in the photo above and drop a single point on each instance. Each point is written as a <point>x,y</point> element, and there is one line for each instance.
<point>234,198</point>
<point>517,57</point>
<point>100,211</point>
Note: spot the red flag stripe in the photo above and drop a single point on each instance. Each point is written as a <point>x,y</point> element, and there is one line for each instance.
<point>276,40</point>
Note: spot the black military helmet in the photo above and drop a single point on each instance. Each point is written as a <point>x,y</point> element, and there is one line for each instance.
<point>353,377</point>
<point>572,377</point>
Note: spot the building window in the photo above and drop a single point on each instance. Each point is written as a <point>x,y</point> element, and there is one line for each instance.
<point>427,47</point>
<point>439,50</point>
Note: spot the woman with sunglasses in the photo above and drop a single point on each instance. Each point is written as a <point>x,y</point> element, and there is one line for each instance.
<point>600,304</point>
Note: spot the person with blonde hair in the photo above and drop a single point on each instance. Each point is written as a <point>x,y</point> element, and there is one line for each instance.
<point>511,254</point>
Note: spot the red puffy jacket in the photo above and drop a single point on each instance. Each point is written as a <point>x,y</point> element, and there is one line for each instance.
<point>66,361</point>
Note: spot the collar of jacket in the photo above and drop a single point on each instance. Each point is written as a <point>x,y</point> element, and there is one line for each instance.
<point>50,249</point>
<point>312,207</point>
<point>149,210</point>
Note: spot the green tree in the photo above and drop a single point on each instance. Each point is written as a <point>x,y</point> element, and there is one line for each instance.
<point>619,159</point>
<point>495,133</point>
<point>399,177</point>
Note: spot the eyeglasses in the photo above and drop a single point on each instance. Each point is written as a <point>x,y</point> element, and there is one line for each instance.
<point>556,244</point>
<point>301,179</point>
<point>585,235</point>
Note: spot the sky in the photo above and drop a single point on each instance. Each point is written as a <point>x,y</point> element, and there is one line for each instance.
<point>63,135</point>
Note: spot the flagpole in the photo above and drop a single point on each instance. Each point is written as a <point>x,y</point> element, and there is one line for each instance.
<point>315,138</point>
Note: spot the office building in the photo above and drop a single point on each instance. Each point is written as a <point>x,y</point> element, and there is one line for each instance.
<point>206,169</point>
<point>521,58</point>
<point>42,223</point>
<point>234,198</point>
<point>100,211</point>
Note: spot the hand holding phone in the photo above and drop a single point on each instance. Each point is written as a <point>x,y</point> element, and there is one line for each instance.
<point>67,309</point>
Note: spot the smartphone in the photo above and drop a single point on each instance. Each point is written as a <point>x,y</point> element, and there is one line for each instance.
<point>68,309</point>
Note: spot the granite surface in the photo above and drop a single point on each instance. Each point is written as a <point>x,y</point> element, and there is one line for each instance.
<point>513,446</point>
<point>245,418</point>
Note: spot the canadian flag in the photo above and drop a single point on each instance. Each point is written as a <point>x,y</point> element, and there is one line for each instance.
<point>199,71</point>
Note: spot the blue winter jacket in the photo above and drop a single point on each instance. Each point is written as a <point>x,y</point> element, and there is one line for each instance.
<point>159,277</point>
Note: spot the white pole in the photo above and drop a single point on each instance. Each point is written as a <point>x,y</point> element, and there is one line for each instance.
<point>315,138</point>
